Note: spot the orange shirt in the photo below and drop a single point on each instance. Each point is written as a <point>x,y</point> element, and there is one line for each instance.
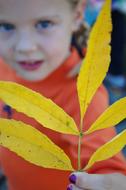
<point>23,175</point>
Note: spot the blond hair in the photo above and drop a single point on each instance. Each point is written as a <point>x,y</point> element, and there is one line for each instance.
<point>74,2</point>
<point>79,39</point>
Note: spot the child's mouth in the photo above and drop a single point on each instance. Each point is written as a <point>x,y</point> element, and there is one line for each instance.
<point>30,65</point>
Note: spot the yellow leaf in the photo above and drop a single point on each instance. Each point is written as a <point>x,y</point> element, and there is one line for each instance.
<point>108,150</point>
<point>112,116</point>
<point>40,108</point>
<point>32,145</point>
<point>96,63</point>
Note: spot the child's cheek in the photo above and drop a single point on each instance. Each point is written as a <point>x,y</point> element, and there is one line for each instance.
<point>5,50</point>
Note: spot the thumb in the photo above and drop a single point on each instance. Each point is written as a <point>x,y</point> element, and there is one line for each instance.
<point>84,180</point>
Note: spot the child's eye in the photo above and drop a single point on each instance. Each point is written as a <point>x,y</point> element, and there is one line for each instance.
<point>44,24</point>
<point>6,27</point>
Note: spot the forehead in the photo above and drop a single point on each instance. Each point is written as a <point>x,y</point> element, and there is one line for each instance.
<point>11,9</point>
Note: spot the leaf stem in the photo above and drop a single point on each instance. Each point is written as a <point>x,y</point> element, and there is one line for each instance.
<point>79,153</point>
<point>79,145</point>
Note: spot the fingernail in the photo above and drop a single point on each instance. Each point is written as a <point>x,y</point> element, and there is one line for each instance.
<point>69,187</point>
<point>72,178</point>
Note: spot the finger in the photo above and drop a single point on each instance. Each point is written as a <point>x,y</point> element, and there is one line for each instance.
<point>91,181</point>
<point>73,187</point>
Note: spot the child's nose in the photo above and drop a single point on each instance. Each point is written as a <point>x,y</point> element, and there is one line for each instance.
<point>25,44</point>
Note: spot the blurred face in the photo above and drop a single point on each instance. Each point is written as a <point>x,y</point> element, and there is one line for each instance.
<point>35,35</point>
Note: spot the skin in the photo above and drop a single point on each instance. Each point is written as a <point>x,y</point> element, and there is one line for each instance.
<point>85,181</point>
<point>44,33</point>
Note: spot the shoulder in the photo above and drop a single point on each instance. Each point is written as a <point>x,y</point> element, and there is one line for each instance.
<point>97,106</point>
<point>101,97</point>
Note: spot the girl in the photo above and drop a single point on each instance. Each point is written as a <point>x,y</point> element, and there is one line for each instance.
<point>35,44</point>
